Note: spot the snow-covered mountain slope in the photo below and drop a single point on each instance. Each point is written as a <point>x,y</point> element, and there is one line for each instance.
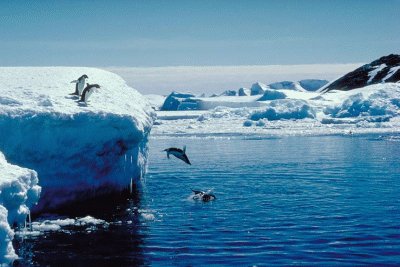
<point>383,70</point>
<point>77,150</point>
<point>19,191</point>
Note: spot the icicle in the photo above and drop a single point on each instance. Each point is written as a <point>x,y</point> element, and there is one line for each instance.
<point>131,159</point>
<point>30,221</point>
<point>131,186</point>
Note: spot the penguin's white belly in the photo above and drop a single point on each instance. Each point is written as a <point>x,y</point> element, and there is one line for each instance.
<point>81,86</point>
<point>88,94</point>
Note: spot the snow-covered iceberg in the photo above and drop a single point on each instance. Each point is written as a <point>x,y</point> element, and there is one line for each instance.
<point>373,100</point>
<point>288,85</point>
<point>285,109</point>
<point>19,191</point>
<point>78,151</point>
<point>270,94</point>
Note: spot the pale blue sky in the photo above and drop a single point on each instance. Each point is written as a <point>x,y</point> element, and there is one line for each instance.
<point>176,33</point>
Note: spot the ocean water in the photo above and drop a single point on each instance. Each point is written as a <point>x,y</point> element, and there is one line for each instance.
<point>323,200</point>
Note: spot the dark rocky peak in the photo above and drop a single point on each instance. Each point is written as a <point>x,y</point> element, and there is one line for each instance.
<point>383,70</point>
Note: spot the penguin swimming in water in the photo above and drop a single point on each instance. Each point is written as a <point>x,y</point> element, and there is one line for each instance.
<point>80,84</point>
<point>88,91</point>
<point>204,196</point>
<point>179,153</point>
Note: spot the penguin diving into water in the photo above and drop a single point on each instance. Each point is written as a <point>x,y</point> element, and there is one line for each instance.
<point>204,196</point>
<point>179,153</point>
<point>88,91</point>
<point>80,84</point>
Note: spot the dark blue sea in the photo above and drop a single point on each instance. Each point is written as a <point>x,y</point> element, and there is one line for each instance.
<point>289,201</point>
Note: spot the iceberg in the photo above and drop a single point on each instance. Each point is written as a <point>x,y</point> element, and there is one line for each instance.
<point>174,100</point>
<point>19,191</point>
<point>257,88</point>
<point>79,150</point>
<point>243,92</point>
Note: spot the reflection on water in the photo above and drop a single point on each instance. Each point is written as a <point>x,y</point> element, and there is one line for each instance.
<point>119,242</point>
<point>283,201</point>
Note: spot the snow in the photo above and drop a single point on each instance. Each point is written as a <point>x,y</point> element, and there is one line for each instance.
<point>285,109</point>
<point>286,85</point>
<point>19,191</point>
<point>77,150</point>
<point>374,72</point>
<point>272,95</point>
<point>391,72</point>
<point>374,100</point>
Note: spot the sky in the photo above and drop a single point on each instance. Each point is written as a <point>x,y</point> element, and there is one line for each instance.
<point>160,33</point>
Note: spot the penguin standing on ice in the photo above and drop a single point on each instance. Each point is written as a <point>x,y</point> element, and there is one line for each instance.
<point>179,153</point>
<point>88,91</point>
<point>79,85</point>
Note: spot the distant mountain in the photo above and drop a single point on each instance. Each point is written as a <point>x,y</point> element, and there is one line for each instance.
<point>383,70</point>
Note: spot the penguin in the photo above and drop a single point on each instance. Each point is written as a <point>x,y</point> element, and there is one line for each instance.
<point>179,153</point>
<point>80,84</point>
<point>203,195</point>
<point>89,89</point>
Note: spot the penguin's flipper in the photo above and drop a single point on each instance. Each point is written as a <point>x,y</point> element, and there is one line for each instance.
<point>75,81</point>
<point>196,192</point>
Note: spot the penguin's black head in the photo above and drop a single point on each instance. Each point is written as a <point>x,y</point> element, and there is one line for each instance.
<point>96,85</point>
<point>85,76</point>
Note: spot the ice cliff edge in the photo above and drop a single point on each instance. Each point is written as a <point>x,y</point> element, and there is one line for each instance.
<point>78,151</point>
